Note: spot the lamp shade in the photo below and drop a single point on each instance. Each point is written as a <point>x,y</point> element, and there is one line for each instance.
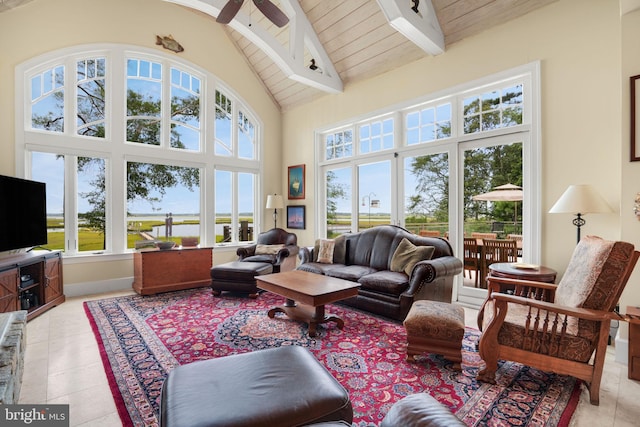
<point>580,199</point>
<point>274,201</point>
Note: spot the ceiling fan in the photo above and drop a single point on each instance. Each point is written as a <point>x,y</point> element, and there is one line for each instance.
<point>269,10</point>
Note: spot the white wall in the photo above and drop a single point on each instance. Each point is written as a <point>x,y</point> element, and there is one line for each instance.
<point>42,26</point>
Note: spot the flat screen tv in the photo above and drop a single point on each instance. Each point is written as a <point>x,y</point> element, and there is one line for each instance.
<point>23,213</point>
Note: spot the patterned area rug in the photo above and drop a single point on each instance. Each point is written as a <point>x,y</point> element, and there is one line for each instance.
<point>141,339</point>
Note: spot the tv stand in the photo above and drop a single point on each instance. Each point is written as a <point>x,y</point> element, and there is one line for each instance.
<point>31,281</point>
<point>39,247</point>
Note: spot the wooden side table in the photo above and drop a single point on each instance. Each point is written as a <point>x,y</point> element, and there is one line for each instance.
<point>507,270</point>
<point>633,317</point>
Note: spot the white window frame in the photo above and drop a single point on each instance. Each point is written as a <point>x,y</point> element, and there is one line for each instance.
<point>528,132</point>
<point>114,148</point>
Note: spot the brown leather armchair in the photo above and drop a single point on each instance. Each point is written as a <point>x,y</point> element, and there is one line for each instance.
<point>266,249</point>
<point>560,328</point>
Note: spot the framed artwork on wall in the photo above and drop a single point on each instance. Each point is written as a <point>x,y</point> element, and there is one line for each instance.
<point>295,217</point>
<point>296,182</point>
<point>635,118</point>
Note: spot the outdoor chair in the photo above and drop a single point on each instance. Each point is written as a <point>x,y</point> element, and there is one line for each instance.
<point>429,233</point>
<point>497,227</point>
<point>517,238</point>
<point>477,235</point>
<point>499,250</point>
<point>472,258</point>
<point>560,328</point>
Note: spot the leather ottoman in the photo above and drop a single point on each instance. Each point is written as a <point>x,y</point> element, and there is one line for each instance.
<point>283,386</point>
<point>420,410</point>
<point>435,327</point>
<point>238,276</point>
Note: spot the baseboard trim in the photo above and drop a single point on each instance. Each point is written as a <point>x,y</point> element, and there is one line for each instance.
<point>98,287</point>
<point>622,350</point>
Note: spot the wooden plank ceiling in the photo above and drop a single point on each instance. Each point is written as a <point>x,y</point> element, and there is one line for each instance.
<point>361,43</point>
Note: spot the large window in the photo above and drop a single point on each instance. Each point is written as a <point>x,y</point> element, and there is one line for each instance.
<point>121,141</point>
<point>422,166</point>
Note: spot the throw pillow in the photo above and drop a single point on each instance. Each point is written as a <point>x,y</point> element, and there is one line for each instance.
<point>407,256</point>
<point>325,250</point>
<point>268,249</point>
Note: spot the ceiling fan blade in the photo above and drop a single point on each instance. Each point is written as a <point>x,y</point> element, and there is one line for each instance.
<point>229,11</point>
<point>272,12</point>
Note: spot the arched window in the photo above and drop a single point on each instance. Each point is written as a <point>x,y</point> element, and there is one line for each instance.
<point>123,139</point>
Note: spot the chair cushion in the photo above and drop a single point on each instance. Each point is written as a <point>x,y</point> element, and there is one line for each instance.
<point>268,249</point>
<point>593,276</point>
<point>271,259</point>
<point>512,334</point>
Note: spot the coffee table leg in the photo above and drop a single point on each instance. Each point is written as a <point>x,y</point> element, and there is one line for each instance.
<point>313,319</point>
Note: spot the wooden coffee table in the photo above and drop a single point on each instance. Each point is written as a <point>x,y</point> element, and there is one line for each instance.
<point>312,291</point>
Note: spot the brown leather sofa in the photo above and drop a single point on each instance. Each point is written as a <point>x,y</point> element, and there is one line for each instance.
<point>365,257</point>
<point>283,259</point>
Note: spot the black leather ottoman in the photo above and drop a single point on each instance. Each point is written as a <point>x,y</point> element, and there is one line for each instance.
<point>284,386</point>
<point>238,276</point>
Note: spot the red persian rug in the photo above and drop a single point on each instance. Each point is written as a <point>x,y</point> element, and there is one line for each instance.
<point>141,339</point>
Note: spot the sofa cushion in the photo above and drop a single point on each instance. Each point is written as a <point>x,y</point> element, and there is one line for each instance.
<point>407,255</point>
<point>325,250</point>
<point>268,249</point>
<point>339,250</point>
<point>386,281</point>
<point>350,272</point>
<point>317,267</point>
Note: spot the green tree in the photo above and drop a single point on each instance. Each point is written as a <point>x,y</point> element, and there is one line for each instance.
<point>431,198</point>
<point>335,192</point>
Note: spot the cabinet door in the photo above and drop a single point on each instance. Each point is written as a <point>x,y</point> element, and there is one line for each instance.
<point>52,280</point>
<point>9,290</point>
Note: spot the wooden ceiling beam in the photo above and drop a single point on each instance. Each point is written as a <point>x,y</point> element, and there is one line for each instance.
<point>289,59</point>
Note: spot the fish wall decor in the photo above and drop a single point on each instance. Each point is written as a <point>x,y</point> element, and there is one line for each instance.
<point>168,42</point>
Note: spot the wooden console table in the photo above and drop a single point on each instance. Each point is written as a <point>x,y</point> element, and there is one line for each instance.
<point>156,271</point>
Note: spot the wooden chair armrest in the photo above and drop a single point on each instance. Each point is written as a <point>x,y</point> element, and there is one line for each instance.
<point>524,288</point>
<point>581,313</point>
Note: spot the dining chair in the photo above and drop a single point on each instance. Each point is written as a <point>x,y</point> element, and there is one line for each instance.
<point>472,258</point>
<point>499,250</point>
<point>517,238</point>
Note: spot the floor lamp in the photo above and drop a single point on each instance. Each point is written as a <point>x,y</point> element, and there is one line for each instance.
<point>275,202</point>
<point>580,200</point>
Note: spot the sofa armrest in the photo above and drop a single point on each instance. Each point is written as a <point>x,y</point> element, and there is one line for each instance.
<point>429,270</point>
<point>440,270</point>
<point>305,254</point>
<point>246,251</point>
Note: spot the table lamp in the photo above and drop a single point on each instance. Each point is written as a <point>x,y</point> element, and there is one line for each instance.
<point>275,202</point>
<point>580,200</point>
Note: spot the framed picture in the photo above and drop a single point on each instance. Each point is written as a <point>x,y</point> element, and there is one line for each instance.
<point>296,182</point>
<point>295,217</point>
<point>635,118</point>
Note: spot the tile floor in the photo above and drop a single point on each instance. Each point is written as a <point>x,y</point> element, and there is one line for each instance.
<point>63,365</point>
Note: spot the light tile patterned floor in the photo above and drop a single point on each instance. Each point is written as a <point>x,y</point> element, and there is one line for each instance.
<point>62,365</point>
